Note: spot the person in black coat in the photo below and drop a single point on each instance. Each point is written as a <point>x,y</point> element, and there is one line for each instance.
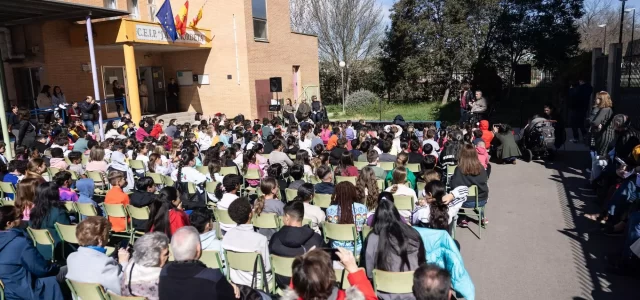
<point>293,239</point>
<point>414,156</point>
<point>27,130</point>
<point>336,153</point>
<point>142,196</point>
<point>88,110</point>
<point>173,94</point>
<point>189,278</point>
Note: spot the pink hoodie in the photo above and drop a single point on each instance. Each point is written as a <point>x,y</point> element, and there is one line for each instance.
<point>483,156</point>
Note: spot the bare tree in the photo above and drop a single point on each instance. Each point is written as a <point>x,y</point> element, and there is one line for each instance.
<point>347,30</point>
<point>300,16</point>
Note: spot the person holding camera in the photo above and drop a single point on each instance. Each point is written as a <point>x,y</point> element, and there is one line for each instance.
<point>87,109</point>
<point>508,150</point>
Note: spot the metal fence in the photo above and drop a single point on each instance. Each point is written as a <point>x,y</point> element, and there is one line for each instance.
<point>630,73</point>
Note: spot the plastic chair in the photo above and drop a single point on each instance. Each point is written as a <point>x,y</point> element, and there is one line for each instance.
<point>224,171</point>
<point>7,188</point>
<point>157,178</point>
<point>292,156</point>
<point>403,202</point>
<point>393,282</point>
<point>322,200</point>
<point>212,259</point>
<point>291,194</point>
<point>67,233</point>
<point>168,181</point>
<point>251,174</point>
<point>421,185</point>
<point>86,291</point>
<point>98,179</point>
<point>1,290</point>
<point>85,160</point>
<point>137,164</point>
<point>52,171</point>
<point>341,278</point>
<point>387,166</point>
<point>314,180</point>
<point>266,221</point>
<point>203,169</point>
<point>281,266</point>
<point>477,211</point>
<point>360,164</point>
<point>415,168</point>
<point>450,171</point>
<point>110,250</point>
<point>118,211</point>
<point>138,213</point>
<point>351,179</point>
<point>86,209</point>
<point>74,175</point>
<point>71,207</point>
<point>366,230</point>
<point>265,155</point>
<point>304,222</point>
<point>5,202</point>
<point>380,183</point>
<point>118,297</point>
<point>340,232</point>
<point>245,262</point>
<point>223,217</point>
<point>42,237</point>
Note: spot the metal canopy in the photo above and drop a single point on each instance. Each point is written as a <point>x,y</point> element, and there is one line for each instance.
<point>14,12</point>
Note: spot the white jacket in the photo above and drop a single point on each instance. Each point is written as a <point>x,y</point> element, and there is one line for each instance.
<point>92,266</point>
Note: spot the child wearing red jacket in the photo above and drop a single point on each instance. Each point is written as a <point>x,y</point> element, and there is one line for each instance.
<point>157,129</point>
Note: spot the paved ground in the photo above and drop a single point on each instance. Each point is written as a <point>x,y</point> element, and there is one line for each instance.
<point>538,245</point>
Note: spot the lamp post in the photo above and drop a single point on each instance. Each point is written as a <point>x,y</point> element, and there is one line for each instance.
<point>633,29</point>
<point>342,65</point>
<point>604,43</point>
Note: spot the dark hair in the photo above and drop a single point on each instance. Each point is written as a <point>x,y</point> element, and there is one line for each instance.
<point>47,197</point>
<point>295,210</point>
<point>159,210</point>
<point>277,143</point>
<point>144,183</point>
<point>477,133</point>
<point>247,158</point>
<point>61,177</point>
<point>275,170</point>
<point>185,158</point>
<point>386,146</point>
<point>305,192</point>
<point>230,182</point>
<point>297,171</point>
<point>302,157</point>
<point>317,149</point>
<point>267,185</point>
<point>57,153</point>
<point>240,210</point>
<point>395,238</point>
<point>8,213</point>
<point>365,146</point>
<point>438,211</point>
<point>414,146</point>
<point>428,162</point>
<point>346,160</point>
<point>427,149</point>
<point>199,218</point>
<point>322,171</point>
<point>344,196</point>
<point>313,276</point>
<point>431,282</point>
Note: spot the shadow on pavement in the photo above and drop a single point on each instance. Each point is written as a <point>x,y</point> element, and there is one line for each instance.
<point>589,245</point>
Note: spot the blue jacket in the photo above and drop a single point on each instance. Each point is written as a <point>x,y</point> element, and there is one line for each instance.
<point>25,274</point>
<point>56,214</point>
<point>442,251</point>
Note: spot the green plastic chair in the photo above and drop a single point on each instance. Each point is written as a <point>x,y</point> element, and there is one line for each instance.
<point>340,232</point>
<point>7,188</point>
<point>291,194</point>
<point>322,200</point>
<point>212,259</point>
<point>415,168</point>
<point>280,266</point>
<point>87,291</point>
<point>224,171</point>
<point>403,202</point>
<point>42,237</point>
<point>351,179</point>
<point>222,216</point>
<point>68,234</point>
<point>476,212</point>
<point>266,221</point>
<point>138,213</point>
<point>244,261</point>
<point>360,164</point>
<point>1,290</point>
<point>203,169</point>
<point>387,166</point>
<point>119,211</point>
<point>158,179</point>
<point>393,282</point>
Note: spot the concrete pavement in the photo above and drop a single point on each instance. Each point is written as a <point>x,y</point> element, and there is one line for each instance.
<point>538,245</point>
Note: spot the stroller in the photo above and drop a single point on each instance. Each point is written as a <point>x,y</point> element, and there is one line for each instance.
<point>538,139</point>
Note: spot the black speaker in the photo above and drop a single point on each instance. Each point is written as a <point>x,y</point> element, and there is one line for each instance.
<point>523,74</point>
<point>275,83</point>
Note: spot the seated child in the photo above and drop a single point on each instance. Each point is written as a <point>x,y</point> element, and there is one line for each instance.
<point>63,180</point>
<point>297,172</point>
<point>57,159</point>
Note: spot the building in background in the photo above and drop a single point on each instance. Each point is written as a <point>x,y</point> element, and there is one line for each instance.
<point>223,65</point>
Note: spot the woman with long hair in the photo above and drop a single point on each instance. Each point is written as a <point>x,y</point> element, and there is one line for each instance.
<point>25,195</point>
<point>392,245</point>
<point>35,168</point>
<point>451,150</point>
<point>345,166</point>
<point>367,187</point>
<point>46,212</point>
<point>471,172</point>
<point>268,202</point>
<point>345,209</point>
<point>165,212</point>
<point>302,158</point>
<point>304,142</point>
<point>311,212</point>
<point>399,186</point>
<point>27,130</point>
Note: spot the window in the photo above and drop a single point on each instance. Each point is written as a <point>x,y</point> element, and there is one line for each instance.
<point>259,13</point>
<point>111,4</point>
<point>134,10</point>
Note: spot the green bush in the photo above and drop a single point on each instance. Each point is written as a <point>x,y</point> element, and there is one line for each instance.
<point>361,101</point>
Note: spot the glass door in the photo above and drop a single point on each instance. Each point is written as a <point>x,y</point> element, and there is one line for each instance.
<point>112,76</point>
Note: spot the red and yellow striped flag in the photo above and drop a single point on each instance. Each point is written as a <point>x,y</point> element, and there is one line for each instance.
<point>181,19</point>
<point>195,20</point>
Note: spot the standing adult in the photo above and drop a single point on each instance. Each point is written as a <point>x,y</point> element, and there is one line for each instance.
<point>551,114</point>
<point>14,120</point>
<point>304,110</point>
<point>58,99</point>
<point>44,101</point>
<point>118,94</point>
<point>27,130</point>
<point>173,94</point>
<point>317,109</point>
<point>579,104</point>
<point>604,132</point>
<point>87,111</point>
<point>144,96</point>
<point>465,99</point>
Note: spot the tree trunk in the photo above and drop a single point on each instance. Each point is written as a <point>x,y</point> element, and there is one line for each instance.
<point>445,97</point>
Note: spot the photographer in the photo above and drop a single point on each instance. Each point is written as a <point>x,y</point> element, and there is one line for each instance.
<point>507,150</point>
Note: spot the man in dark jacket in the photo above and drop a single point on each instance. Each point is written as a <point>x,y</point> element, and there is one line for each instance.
<point>336,153</point>
<point>142,196</point>
<point>87,110</point>
<point>293,239</point>
<point>187,277</point>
